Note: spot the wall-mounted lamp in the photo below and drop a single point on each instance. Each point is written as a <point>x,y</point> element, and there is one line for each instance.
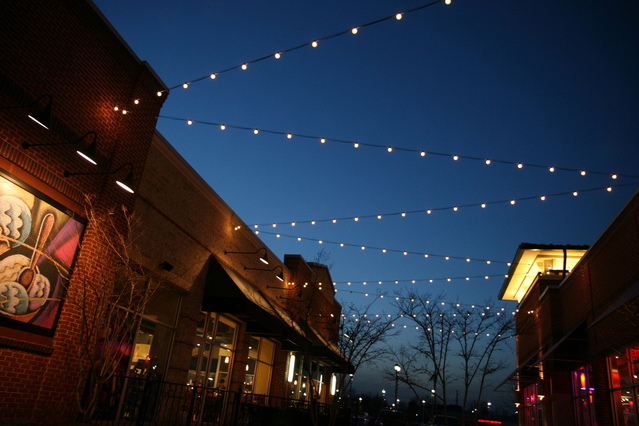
<point>126,183</point>
<point>263,258</point>
<point>279,276</point>
<point>90,153</point>
<point>42,116</point>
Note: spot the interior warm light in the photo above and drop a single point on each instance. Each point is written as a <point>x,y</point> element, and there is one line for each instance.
<point>291,368</point>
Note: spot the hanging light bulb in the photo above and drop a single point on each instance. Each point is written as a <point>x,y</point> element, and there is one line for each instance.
<point>448,1</point>
<point>614,176</point>
<point>256,131</point>
<point>185,85</point>
<point>551,169</point>
<point>354,30</point>
<point>487,161</point>
<point>389,149</point>
<point>583,173</point>
<point>213,76</point>
<point>244,66</point>
<point>356,144</point>
<point>322,140</point>
<point>222,127</point>
<point>159,94</point>
<point>423,153</point>
<point>314,44</point>
<point>455,157</point>
<point>189,122</point>
<point>519,165</point>
<point>277,55</point>
<point>289,136</point>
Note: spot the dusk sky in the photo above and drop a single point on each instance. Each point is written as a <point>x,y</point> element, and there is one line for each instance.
<point>540,83</point>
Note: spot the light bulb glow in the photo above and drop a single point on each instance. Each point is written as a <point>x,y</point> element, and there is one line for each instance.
<point>448,1</point>
<point>423,153</point>
<point>356,144</point>
<point>551,169</point>
<point>398,16</point>
<point>289,136</point>
<point>278,56</point>
<point>185,85</point>
<point>487,161</point>
<point>213,76</point>
<point>455,157</point>
<point>159,94</point>
<point>256,131</point>
<point>244,66</point>
<point>519,166</point>
<point>354,31</point>
<point>314,44</point>
<point>389,149</point>
<point>222,127</point>
<point>322,140</point>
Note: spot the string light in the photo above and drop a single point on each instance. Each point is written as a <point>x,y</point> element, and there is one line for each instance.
<point>422,153</point>
<point>423,280</point>
<point>384,250</point>
<point>314,43</point>
<point>454,208</point>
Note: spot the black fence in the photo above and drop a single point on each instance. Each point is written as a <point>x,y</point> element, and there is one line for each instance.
<point>147,401</point>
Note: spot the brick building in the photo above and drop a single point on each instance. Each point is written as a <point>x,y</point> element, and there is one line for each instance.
<point>578,328</point>
<point>218,316</point>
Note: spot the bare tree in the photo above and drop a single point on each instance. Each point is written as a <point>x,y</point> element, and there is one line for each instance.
<point>452,334</point>
<point>431,317</point>
<point>362,336</point>
<point>110,296</point>
<point>479,332</point>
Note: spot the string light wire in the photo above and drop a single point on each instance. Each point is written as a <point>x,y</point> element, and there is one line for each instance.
<point>383,250</point>
<point>390,149</point>
<point>314,43</point>
<point>455,208</point>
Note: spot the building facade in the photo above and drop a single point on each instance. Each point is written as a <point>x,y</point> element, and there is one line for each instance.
<point>578,328</point>
<point>210,306</point>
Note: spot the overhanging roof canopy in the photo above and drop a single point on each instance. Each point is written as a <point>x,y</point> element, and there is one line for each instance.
<point>226,291</point>
<point>534,259</point>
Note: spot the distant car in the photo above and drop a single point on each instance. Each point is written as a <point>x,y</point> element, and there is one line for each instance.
<point>390,418</point>
<point>446,421</point>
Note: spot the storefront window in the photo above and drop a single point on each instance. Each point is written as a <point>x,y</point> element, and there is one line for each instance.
<point>154,338</point>
<point>624,385</point>
<point>259,365</point>
<point>583,393</point>
<point>213,351</point>
<point>532,406</point>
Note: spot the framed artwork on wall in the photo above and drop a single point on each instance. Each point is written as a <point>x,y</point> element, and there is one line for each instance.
<point>39,241</point>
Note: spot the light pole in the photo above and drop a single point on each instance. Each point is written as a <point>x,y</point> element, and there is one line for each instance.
<point>383,398</point>
<point>397,370</point>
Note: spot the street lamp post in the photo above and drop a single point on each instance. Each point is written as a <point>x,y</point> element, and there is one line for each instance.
<point>383,398</point>
<point>397,370</point>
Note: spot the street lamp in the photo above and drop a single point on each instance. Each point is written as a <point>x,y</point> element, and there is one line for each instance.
<point>383,398</point>
<point>397,370</point>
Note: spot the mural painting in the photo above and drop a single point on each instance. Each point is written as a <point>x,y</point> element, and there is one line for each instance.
<point>38,243</point>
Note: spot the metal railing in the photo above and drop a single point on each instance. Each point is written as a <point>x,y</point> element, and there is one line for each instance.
<point>143,401</point>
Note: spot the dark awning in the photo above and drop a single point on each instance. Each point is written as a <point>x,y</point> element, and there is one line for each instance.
<point>227,292</point>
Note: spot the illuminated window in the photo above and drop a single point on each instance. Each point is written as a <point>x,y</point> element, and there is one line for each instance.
<point>583,394</point>
<point>259,366</point>
<point>531,413</point>
<point>213,351</point>
<point>624,385</point>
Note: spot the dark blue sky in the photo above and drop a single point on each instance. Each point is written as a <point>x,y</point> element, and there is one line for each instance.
<point>550,83</point>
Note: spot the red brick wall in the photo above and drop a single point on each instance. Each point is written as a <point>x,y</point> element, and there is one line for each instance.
<point>65,49</point>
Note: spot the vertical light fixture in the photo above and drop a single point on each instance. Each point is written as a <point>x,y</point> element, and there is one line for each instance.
<point>291,368</point>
